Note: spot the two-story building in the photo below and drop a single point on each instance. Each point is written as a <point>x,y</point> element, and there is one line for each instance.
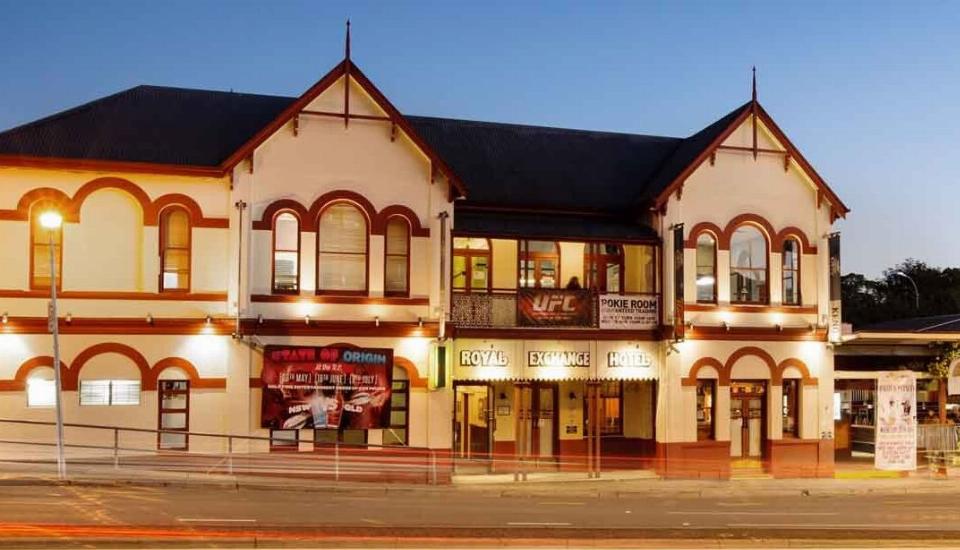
<point>574,298</point>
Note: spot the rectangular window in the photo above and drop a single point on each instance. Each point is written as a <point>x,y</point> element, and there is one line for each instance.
<point>611,396</point>
<point>40,270</point>
<point>791,408</point>
<point>706,407</point>
<point>284,440</point>
<point>41,393</point>
<point>396,434</point>
<point>109,392</point>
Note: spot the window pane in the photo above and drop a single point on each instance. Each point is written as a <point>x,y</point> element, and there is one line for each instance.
<point>324,436</point>
<point>544,247</point>
<point>354,437</point>
<point>285,270</point>
<point>706,269</point>
<point>470,243</point>
<point>173,421</point>
<point>548,274</point>
<point>790,256</point>
<point>748,285</point>
<point>394,436</point>
<point>396,236</point>
<point>748,248</point>
<point>398,419</point>
<point>459,272</point>
<point>790,295</point>
<point>41,252</point>
<point>41,393</point>
<point>343,272</point>
<point>396,274</point>
<point>176,228</point>
<point>174,401</point>
<point>286,232</point>
<point>398,400</point>
<point>478,275</point>
<point>124,392</point>
<point>705,408</point>
<point>613,278</point>
<point>343,228</point>
<point>94,392</point>
<point>284,438</point>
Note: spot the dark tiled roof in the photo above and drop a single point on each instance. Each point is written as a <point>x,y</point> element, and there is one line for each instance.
<point>531,166</point>
<point>936,323</point>
<point>149,124</point>
<point>549,226</point>
<point>502,164</point>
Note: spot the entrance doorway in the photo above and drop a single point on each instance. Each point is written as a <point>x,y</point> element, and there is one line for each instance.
<point>173,415</point>
<point>545,433</point>
<point>748,419</point>
<point>473,421</point>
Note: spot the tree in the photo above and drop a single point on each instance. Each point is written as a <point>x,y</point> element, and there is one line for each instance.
<point>891,297</point>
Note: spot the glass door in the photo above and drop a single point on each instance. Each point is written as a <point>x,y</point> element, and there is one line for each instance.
<point>472,425</point>
<point>174,414</point>
<point>545,422</point>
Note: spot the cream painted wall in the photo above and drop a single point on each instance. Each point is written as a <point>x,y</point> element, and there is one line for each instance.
<point>504,259</point>
<point>105,250</point>
<point>14,255</point>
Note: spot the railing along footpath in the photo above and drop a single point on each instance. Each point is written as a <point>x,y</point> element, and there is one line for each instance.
<point>940,445</point>
<point>28,445</point>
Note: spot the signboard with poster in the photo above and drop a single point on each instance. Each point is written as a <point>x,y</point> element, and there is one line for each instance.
<point>835,330</point>
<point>326,387</point>
<point>544,307</point>
<point>629,312</point>
<point>896,439</point>
<point>679,330</point>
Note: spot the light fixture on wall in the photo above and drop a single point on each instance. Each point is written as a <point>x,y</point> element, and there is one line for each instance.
<point>376,321</point>
<point>726,326</point>
<point>573,396</point>
<point>502,396</point>
<point>420,322</point>
<point>69,318</point>
<point>813,327</point>
<point>149,319</point>
<point>259,318</point>
<point>306,319</point>
<point>779,327</point>
<point>209,320</point>
<point>6,318</point>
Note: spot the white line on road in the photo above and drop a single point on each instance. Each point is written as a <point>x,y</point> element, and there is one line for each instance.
<point>561,503</point>
<point>538,523</point>
<point>735,513</point>
<point>840,526</point>
<point>216,520</point>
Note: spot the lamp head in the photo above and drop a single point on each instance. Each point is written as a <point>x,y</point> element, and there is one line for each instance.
<point>51,219</point>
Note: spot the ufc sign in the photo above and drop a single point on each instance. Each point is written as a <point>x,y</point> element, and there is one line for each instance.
<point>537,307</point>
<point>553,303</point>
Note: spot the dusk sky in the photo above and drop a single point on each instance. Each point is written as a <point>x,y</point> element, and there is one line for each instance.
<point>867,90</point>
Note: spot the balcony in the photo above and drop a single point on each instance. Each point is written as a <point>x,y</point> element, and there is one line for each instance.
<point>556,308</point>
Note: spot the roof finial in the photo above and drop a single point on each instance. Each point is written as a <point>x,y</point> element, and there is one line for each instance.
<point>753,112</point>
<point>347,47</point>
<point>754,97</point>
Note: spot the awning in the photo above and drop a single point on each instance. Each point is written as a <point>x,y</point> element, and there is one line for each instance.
<point>549,226</point>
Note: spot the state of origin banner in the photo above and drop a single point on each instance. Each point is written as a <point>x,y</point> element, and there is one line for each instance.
<point>326,387</point>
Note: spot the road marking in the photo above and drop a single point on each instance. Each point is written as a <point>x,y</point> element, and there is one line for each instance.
<point>216,520</point>
<point>373,521</point>
<point>735,513</point>
<point>538,523</point>
<point>561,503</point>
<point>838,526</point>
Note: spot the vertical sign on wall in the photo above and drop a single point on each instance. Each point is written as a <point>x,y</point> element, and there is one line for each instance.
<point>678,327</point>
<point>836,328</point>
<point>896,438</point>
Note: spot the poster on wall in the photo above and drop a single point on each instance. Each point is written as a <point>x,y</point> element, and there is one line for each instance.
<point>836,327</point>
<point>542,307</point>
<point>678,328</point>
<point>326,387</point>
<point>629,312</point>
<point>896,438</point>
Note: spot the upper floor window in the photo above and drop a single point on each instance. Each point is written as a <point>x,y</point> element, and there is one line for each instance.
<point>42,242</point>
<point>396,267</point>
<point>748,266</point>
<point>603,266</point>
<point>286,254</point>
<point>539,264</point>
<point>109,392</point>
<point>706,268</point>
<point>174,250</point>
<point>471,264</point>
<point>342,250</point>
<point>791,272</point>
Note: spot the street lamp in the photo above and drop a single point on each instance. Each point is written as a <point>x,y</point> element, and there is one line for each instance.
<point>916,291</point>
<point>52,221</point>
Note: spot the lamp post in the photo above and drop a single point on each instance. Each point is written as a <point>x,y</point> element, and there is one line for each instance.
<point>916,291</point>
<point>52,221</point>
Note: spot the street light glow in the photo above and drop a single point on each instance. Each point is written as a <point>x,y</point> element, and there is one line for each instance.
<point>51,219</point>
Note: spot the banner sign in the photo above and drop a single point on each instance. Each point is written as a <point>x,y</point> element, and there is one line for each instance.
<point>629,312</point>
<point>678,320</point>
<point>483,358</point>
<point>896,438</point>
<point>540,307</point>
<point>326,387</point>
<point>558,358</point>
<point>835,331</point>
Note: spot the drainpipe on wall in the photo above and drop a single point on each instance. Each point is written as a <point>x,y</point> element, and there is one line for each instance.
<point>241,205</point>
<point>442,331</point>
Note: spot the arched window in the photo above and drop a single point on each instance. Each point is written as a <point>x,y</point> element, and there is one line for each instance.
<point>286,254</point>
<point>748,266</point>
<point>706,268</point>
<point>603,266</point>
<point>396,264</point>
<point>42,240</point>
<point>471,265</point>
<point>174,250</point>
<point>342,250</point>
<point>41,388</point>
<point>539,264</point>
<point>791,272</point>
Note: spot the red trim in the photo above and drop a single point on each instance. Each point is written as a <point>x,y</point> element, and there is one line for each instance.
<point>147,379</point>
<point>748,334</point>
<point>35,213</point>
<point>309,216</point>
<point>57,163</point>
<point>553,334</point>
<point>725,369</point>
<point>413,375</point>
<point>196,382</point>
<point>117,295</point>
<point>342,195</point>
<point>353,329</point>
<point>328,299</point>
<point>121,326</point>
<point>417,229</point>
<point>19,382</point>
<point>164,226</point>
<point>276,207</point>
<point>273,254</point>
<point>70,207</point>
<point>367,209</point>
<point>745,308</point>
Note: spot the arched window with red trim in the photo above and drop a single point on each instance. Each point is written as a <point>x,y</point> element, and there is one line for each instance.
<point>286,253</point>
<point>174,250</point>
<point>42,240</point>
<point>748,266</point>
<point>396,264</point>
<point>706,268</point>
<point>342,244</point>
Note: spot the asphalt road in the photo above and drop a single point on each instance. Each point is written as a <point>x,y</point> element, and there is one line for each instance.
<point>79,514</point>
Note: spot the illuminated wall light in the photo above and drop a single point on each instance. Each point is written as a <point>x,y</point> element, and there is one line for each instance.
<point>209,320</point>
<point>6,318</point>
<point>149,319</point>
<point>779,327</point>
<point>420,322</point>
<point>69,318</point>
<point>726,326</point>
<point>376,321</point>
<point>259,318</point>
<point>306,319</point>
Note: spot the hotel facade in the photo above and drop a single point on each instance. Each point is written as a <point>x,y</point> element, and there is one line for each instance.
<point>583,300</point>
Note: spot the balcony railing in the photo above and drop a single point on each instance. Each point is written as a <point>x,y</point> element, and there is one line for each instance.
<point>556,308</point>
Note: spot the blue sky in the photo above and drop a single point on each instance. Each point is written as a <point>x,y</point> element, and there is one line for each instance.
<point>867,90</point>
